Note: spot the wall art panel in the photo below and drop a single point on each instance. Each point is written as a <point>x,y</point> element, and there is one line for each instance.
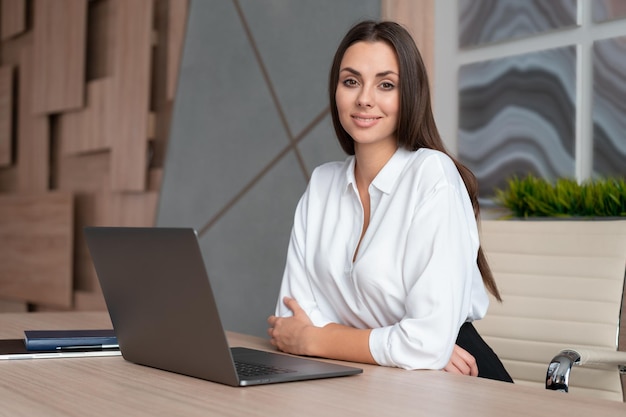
<point>603,10</point>
<point>487,21</point>
<point>517,116</point>
<point>609,107</point>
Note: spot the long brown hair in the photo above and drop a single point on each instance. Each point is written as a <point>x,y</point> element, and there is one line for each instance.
<point>416,124</point>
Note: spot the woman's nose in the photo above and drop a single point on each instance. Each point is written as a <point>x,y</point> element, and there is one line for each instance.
<point>365,98</point>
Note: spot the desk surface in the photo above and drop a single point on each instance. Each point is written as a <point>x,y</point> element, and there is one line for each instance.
<point>111,386</point>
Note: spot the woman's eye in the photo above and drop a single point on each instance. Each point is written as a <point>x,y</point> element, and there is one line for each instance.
<point>349,82</point>
<point>387,86</point>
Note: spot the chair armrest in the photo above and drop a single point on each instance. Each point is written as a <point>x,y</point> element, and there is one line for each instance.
<point>557,377</point>
<point>598,358</point>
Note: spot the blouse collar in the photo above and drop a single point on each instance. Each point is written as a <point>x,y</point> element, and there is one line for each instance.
<point>388,175</point>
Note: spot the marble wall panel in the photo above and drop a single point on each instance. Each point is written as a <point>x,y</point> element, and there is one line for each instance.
<point>487,21</point>
<point>603,10</point>
<point>609,107</point>
<point>517,116</point>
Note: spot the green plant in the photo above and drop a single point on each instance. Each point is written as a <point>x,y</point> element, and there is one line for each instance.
<point>536,197</point>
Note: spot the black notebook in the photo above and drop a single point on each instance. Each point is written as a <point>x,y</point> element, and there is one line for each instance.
<point>69,339</point>
<point>15,349</point>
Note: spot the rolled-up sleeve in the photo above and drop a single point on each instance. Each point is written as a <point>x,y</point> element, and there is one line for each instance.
<point>295,282</point>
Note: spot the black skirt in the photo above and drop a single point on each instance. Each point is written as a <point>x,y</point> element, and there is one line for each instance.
<point>489,365</point>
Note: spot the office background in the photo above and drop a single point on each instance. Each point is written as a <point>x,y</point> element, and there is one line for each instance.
<point>212,114</point>
<point>250,123</point>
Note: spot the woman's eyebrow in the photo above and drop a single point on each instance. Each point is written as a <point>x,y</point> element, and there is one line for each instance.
<point>379,75</point>
<point>351,71</point>
<point>386,73</point>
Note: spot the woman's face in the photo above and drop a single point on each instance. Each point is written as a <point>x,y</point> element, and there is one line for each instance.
<point>368,95</point>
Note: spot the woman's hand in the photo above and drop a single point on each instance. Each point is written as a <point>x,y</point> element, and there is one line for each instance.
<point>462,362</point>
<point>289,334</point>
<point>297,335</point>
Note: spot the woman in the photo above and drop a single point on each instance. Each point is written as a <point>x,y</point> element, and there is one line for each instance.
<point>384,264</point>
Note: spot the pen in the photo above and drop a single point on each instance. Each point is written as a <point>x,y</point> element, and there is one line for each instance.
<point>88,347</point>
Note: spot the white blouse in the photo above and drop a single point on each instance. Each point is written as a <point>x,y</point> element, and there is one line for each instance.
<point>414,280</point>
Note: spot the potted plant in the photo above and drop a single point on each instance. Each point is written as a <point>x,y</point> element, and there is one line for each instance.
<point>531,196</point>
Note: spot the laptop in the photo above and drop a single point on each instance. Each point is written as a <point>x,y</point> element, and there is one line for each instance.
<point>164,314</point>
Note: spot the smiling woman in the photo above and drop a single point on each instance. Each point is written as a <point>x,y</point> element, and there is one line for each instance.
<point>367,98</point>
<point>384,264</point>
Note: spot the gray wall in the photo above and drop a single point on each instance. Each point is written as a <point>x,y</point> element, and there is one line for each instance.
<point>250,123</point>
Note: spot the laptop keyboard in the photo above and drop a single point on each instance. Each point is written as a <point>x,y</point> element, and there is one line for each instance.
<point>245,369</point>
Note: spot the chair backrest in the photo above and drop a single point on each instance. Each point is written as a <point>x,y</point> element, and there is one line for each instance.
<point>562,284</point>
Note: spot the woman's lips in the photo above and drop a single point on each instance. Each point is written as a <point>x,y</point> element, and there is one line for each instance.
<point>362,120</point>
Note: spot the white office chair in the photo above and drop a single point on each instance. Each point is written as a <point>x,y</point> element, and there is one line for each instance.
<point>562,284</point>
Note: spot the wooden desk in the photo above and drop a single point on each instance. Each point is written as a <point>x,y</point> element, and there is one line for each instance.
<point>110,386</point>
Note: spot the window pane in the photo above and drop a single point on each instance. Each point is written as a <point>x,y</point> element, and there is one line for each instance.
<point>517,116</point>
<point>609,108</point>
<point>487,21</point>
<point>603,10</point>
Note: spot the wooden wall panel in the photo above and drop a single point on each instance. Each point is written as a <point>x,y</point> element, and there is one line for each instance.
<point>8,306</point>
<point>94,150</point>
<point>36,237</point>
<point>85,176</point>
<point>12,18</point>
<point>81,173</point>
<point>8,180</point>
<point>131,94</point>
<point>418,16</point>
<point>59,54</point>
<point>89,208</point>
<point>33,135</point>
<point>10,55</point>
<point>131,209</point>
<point>89,301</point>
<point>6,115</point>
<point>86,130</point>
<point>177,22</point>
<point>11,50</point>
<point>100,39</point>
<point>155,178</point>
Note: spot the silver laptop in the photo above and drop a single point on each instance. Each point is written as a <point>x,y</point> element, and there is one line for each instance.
<point>165,316</point>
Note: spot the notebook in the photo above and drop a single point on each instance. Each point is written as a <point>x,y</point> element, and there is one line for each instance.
<point>164,314</point>
<point>12,349</point>
<point>70,339</point>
